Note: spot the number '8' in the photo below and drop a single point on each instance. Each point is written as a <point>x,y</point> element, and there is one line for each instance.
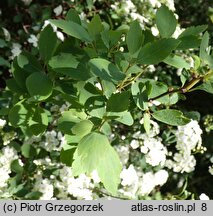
<point>204,207</point>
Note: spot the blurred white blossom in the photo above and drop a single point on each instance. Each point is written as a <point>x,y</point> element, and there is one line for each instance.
<point>188,140</point>
<point>203,196</point>
<point>2,123</point>
<point>26,2</point>
<point>16,50</point>
<point>211,170</point>
<point>58,10</point>
<point>33,40</point>
<point>45,187</point>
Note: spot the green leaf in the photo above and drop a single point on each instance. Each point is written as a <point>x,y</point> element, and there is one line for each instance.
<point>140,92</point>
<point>165,21</point>
<point>94,152</point>
<point>4,62</point>
<point>206,86</point>
<point>39,86</point>
<point>146,122</point>
<point>157,51</point>
<point>134,37</point>
<point>82,128</point>
<point>69,119</point>
<point>122,117</point>
<point>19,74</point>
<point>72,15</point>
<point>39,121</point>
<point>188,42</point>
<point>28,150</point>
<point>16,167</point>
<point>118,102</point>
<point>2,43</point>
<point>28,63</point>
<point>19,114</point>
<point>80,73</point>
<point>13,86</point>
<point>47,43</point>
<point>66,154</point>
<point>177,61</point>
<point>204,45</point>
<point>194,30</point>
<point>95,26</point>
<point>159,88</point>
<point>171,117</point>
<point>73,29</point>
<point>105,70</point>
<point>63,60</point>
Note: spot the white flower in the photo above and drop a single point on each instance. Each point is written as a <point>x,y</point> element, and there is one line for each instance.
<point>155,152</point>
<point>79,187</point>
<point>134,144</point>
<point>6,34</point>
<point>98,85</point>
<point>161,177</point>
<point>16,50</point>
<point>155,3</point>
<point>129,176</point>
<point>154,31</point>
<point>203,197</point>
<point>211,170</point>
<point>147,183</point>
<point>129,181</point>
<point>58,10</point>
<point>156,157</point>
<point>129,6</point>
<point>184,163</point>
<point>60,35</point>
<point>45,187</point>
<point>2,123</point>
<point>95,177</point>
<point>4,178</point>
<point>33,40</point>
<point>26,2</point>
<point>177,32</point>
<point>123,152</point>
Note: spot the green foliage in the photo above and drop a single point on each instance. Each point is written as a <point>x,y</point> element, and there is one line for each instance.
<point>102,72</point>
<point>166,22</point>
<point>105,70</point>
<point>157,51</point>
<point>135,37</point>
<point>47,43</point>
<point>171,117</point>
<point>73,29</point>
<point>118,102</point>
<point>39,86</point>
<point>94,152</point>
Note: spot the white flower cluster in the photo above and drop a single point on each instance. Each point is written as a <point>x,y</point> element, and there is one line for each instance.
<point>150,145</point>
<point>128,8</point>
<point>136,183</point>
<point>188,140</point>
<point>44,186</point>
<point>80,188</point>
<point>16,50</point>
<point>33,40</point>
<point>8,155</point>
<point>53,141</point>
